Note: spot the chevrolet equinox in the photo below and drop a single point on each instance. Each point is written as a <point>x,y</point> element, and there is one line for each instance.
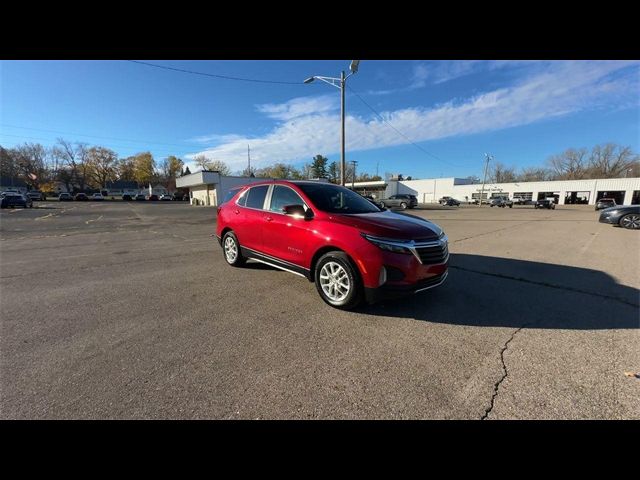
<point>332,236</point>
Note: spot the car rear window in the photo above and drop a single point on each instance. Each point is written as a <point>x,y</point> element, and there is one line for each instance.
<point>256,196</point>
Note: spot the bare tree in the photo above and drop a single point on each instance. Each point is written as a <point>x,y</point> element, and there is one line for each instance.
<point>502,174</point>
<point>534,174</point>
<point>72,157</point>
<point>569,165</point>
<point>31,161</point>
<point>611,161</point>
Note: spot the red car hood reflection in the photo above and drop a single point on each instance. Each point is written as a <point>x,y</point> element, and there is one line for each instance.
<point>391,225</point>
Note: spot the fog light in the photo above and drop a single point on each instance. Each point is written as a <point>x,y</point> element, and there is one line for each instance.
<point>383,276</point>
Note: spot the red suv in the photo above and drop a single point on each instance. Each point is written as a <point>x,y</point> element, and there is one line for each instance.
<point>351,249</point>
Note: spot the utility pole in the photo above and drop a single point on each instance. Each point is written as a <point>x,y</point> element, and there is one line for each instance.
<point>486,167</point>
<point>249,158</point>
<point>353,179</point>
<point>342,160</point>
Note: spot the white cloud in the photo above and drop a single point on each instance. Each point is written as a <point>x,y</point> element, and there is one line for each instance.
<point>299,107</point>
<point>310,126</point>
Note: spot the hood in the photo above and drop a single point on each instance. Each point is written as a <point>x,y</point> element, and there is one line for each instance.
<point>393,225</point>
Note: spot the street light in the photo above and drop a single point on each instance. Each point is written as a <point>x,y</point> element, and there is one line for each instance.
<point>339,83</point>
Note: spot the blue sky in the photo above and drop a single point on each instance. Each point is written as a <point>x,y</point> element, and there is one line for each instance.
<point>519,111</point>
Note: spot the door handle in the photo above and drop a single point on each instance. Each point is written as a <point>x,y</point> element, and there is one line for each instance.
<point>236,211</point>
<point>268,219</point>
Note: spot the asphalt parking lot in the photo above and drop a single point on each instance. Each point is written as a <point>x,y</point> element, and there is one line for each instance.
<point>127,310</point>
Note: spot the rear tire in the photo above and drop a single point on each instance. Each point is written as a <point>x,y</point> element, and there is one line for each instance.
<point>382,205</point>
<point>403,206</point>
<point>231,250</point>
<point>338,281</point>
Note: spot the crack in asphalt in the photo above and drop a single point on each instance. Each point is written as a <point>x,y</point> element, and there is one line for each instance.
<point>550,285</point>
<point>496,386</point>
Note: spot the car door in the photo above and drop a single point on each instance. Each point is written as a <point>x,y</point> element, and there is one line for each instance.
<point>248,217</point>
<point>283,236</point>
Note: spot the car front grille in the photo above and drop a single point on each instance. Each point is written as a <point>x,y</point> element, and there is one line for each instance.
<point>433,255</point>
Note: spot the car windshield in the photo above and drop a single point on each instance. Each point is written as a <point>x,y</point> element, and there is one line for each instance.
<point>336,199</point>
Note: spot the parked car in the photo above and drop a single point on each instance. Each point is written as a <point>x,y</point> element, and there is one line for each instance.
<point>97,196</point>
<point>35,195</point>
<point>626,216</point>
<point>351,249</point>
<point>81,197</point>
<point>501,202</point>
<point>443,200</point>
<point>546,203</point>
<point>11,200</point>
<point>141,197</point>
<point>605,203</point>
<point>451,202</point>
<point>402,201</point>
<point>65,197</point>
<point>166,196</point>
<point>126,197</point>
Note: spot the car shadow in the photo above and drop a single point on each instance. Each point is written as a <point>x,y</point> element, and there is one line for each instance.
<point>484,291</point>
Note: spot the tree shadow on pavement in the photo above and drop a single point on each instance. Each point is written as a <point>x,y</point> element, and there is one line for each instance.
<point>501,292</point>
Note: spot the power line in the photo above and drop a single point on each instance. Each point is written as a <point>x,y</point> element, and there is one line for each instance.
<point>399,132</point>
<point>225,77</point>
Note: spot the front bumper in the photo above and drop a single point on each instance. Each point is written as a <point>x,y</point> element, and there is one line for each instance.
<point>611,219</point>
<point>387,292</point>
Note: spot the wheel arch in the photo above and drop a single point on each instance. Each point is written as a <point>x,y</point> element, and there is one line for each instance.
<point>326,249</point>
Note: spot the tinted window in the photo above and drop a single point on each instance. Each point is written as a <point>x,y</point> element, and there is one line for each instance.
<point>229,195</point>
<point>256,196</point>
<point>283,196</point>
<point>335,199</point>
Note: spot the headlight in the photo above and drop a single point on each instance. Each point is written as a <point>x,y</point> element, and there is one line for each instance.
<point>388,245</point>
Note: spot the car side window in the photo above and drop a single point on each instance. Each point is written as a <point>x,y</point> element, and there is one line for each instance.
<point>242,199</point>
<point>256,196</point>
<point>283,196</point>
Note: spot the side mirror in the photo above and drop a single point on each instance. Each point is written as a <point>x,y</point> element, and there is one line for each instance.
<point>297,211</point>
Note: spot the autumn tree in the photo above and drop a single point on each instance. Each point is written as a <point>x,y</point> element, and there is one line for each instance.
<point>126,169</point>
<point>102,162</point>
<point>144,168</point>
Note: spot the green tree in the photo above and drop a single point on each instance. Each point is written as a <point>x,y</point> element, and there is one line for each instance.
<point>319,166</point>
<point>187,171</point>
<point>333,172</point>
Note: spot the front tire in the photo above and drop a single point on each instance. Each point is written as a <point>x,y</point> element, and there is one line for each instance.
<point>630,221</point>
<point>338,281</point>
<point>382,205</point>
<point>231,250</point>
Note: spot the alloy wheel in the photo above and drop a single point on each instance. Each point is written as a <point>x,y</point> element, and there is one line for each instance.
<point>230,249</point>
<point>631,221</point>
<point>334,281</point>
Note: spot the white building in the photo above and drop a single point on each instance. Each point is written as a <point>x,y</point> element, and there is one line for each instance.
<point>209,188</point>
<point>624,190</point>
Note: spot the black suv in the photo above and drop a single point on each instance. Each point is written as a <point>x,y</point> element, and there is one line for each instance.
<point>402,200</point>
